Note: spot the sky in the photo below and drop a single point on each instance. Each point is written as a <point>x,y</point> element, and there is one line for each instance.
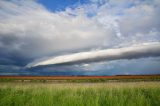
<point>79,37</point>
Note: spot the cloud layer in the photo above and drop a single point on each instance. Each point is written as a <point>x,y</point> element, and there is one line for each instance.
<point>30,32</point>
<point>133,52</point>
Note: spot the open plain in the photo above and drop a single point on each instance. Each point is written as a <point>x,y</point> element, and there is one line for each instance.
<point>80,91</point>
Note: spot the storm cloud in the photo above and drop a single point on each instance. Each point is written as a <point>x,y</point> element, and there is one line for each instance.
<point>99,30</point>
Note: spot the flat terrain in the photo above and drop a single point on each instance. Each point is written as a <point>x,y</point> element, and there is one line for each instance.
<point>139,90</point>
<point>83,77</point>
<point>80,94</point>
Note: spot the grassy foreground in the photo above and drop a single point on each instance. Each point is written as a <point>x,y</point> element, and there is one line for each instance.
<point>80,94</point>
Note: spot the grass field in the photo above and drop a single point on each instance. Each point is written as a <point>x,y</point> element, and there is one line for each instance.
<point>80,94</point>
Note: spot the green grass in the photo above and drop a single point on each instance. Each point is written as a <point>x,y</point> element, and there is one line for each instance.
<point>80,80</point>
<point>80,94</point>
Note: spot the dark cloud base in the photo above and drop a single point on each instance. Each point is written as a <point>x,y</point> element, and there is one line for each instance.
<point>141,66</point>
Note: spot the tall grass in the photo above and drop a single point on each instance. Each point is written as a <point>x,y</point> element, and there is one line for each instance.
<point>86,94</point>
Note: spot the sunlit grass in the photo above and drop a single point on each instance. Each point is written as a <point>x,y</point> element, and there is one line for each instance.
<point>80,94</point>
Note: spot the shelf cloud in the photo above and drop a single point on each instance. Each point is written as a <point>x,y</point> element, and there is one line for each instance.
<point>132,52</point>
<point>79,36</point>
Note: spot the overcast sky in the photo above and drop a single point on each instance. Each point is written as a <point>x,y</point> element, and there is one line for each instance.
<point>79,37</point>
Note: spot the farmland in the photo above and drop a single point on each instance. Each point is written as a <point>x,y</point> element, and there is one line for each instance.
<point>85,91</point>
<point>80,78</point>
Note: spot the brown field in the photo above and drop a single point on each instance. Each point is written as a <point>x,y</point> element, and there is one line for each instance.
<point>82,77</point>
